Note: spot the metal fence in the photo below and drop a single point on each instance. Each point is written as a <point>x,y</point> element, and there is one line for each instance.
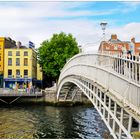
<point>117,73</point>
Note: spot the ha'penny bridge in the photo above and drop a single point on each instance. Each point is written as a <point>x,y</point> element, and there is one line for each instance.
<point>111,83</point>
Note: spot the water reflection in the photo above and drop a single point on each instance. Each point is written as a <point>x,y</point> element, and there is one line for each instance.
<point>50,122</point>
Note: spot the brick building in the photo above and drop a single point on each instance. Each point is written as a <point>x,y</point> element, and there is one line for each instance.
<point>115,46</point>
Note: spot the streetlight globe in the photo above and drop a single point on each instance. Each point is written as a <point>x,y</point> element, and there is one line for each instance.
<point>103,25</point>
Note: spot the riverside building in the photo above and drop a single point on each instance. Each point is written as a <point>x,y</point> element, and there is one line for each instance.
<point>5,42</point>
<point>116,46</point>
<point>20,67</point>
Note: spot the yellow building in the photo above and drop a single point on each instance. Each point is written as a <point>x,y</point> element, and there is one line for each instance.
<point>20,67</point>
<point>39,76</point>
<point>4,43</point>
<point>39,72</point>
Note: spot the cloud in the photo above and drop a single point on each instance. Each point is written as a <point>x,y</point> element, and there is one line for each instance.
<point>37,21</point>
<point>127,31</point>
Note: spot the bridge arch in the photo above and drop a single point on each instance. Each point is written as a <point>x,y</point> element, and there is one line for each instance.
<point>96,77</point>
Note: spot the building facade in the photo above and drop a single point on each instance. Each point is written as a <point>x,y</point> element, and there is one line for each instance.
<point>4,43</point>
<point>116,46</point>
<point>39,76</point>
<point>20,67</point>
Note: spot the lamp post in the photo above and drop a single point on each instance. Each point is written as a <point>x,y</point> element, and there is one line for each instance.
<point>103,26</point>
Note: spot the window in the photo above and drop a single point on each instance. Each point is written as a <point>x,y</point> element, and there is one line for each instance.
<point>9,73</point>
<point>18,73</point>
<point>25,61</point>
<point>9,61</point>
<point>9,53</point>
<point>17,53</point>
<point>26,53</point>
<point>17,62</point>
<point>26,73</point>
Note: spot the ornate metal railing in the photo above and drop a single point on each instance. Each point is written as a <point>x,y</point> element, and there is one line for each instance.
<point>116,73</point>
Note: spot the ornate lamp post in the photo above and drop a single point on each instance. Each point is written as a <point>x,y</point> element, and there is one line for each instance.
<point>103,26</point>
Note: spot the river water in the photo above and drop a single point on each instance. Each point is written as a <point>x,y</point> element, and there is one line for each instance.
<point>51,122</point>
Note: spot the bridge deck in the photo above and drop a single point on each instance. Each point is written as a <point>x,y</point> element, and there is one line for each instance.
<point>111,83</point>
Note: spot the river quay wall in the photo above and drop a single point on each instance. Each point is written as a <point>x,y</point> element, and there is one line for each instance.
<point>48,98</point>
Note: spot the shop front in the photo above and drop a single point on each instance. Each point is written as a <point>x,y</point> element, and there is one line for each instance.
<point>16,84</point>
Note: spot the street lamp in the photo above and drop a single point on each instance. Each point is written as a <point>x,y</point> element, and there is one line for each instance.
<point>103,26</point>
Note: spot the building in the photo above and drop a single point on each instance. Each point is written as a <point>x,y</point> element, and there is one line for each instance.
<point>39,76</point>
<point>114,45</point>
<point>4,43</point>
<point>136,45</point>
<point>20,66</point>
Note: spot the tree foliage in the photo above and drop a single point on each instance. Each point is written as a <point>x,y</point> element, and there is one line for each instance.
<point>54,53</point>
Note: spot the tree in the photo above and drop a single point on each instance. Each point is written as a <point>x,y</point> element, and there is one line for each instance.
<point>54,53</point>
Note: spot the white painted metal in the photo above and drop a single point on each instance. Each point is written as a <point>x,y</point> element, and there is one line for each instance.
<point>121,121</point>
<point>115,112</point>
<point>113,74</point>
<point>91,67</point>
<point>129,124</point>
<point>86,88</point>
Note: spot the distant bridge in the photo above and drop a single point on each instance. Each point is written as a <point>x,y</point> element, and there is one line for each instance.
<point>111,83</point>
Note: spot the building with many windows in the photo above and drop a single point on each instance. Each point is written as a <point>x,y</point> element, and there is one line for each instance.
<point>116,46</point>
<point>4,43</point>
<point>20,67</point>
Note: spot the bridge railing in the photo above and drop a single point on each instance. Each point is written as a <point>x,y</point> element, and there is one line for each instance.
<point>127,67</point>
<point>117,73</point>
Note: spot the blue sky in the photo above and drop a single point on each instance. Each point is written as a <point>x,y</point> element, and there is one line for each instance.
<point>37,21</point>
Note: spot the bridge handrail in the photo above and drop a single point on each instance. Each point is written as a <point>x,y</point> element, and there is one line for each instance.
<point>94,61</point>
<point>133,70</point>
<point>101,54</point>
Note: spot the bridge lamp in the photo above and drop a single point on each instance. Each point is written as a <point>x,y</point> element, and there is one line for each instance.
<point>103,26</point>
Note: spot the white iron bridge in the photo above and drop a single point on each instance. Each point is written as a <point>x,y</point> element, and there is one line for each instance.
<point>111,83</point>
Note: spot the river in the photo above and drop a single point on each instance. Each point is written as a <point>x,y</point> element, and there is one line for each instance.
<point>51,122</point>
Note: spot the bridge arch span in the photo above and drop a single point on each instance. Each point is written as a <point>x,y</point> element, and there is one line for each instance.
<point>96,76</point>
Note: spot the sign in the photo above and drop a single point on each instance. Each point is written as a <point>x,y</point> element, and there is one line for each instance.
<point>31,44</point>
<point>17,80</point>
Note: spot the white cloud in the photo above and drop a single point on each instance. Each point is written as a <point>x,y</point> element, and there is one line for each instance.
<point>127,32</point>
<point>30,21</point>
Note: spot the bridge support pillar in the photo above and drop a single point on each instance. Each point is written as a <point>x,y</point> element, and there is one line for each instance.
<point>104,104</point>
<point>121,121</point>
<point>115,112</point>
<point>129,124</point>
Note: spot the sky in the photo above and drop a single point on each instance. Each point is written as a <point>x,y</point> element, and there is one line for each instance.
<point>38,21</point>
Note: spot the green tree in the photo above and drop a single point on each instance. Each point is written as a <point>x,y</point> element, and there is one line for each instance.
<point>54,53</point>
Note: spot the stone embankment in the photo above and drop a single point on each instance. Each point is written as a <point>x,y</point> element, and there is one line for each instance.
<point>48,98</point>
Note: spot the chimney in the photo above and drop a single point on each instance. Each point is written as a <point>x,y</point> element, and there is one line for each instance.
<point>133,39</point>
<point>114,36</point>
<point>18,44</point>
